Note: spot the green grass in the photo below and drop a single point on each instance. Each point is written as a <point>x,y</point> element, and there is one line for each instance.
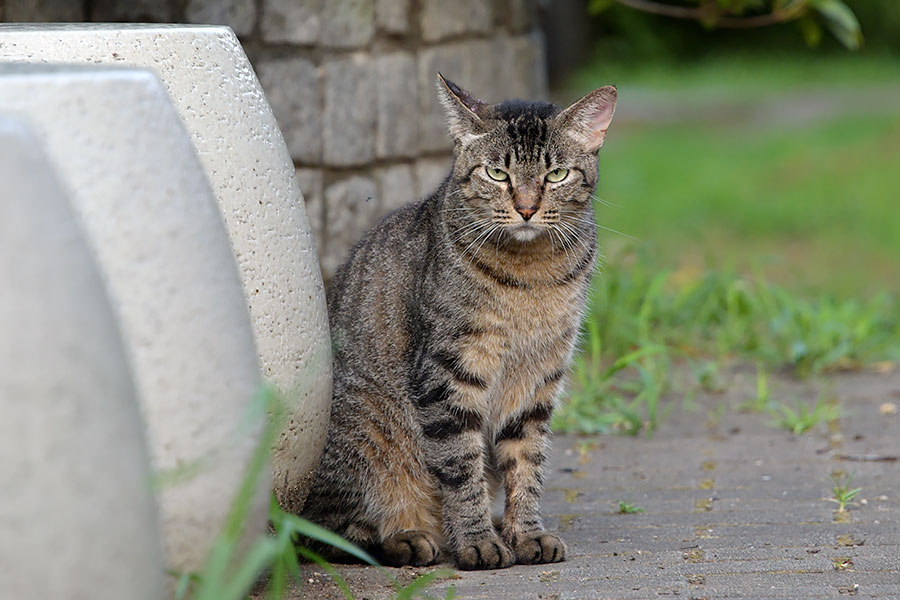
<point>815,206</point>
<point>738,177</point>
<point>759,236</point>
<point>642,320</point>
<point>231,568</point>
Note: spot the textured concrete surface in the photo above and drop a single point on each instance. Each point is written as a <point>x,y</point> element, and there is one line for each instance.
<point>75,469</point>
<point>216,94</point>
<point>733,507</point>
<point>151,220</point>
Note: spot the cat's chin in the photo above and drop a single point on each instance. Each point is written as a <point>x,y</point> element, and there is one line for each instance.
<point>524,232</point>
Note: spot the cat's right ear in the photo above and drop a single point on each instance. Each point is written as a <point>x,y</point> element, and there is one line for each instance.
<point>587,120</point>
<point>462,110</point>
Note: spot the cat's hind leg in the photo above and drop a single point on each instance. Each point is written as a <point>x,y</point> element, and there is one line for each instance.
<point>401,498</point>
<point>372,486</point>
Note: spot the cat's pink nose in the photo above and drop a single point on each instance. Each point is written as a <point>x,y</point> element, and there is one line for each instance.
<point>528,212</point>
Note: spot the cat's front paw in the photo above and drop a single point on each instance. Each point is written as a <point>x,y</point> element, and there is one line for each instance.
<point>488,553</point>
<point>538,547</point>
<point>415,548</point>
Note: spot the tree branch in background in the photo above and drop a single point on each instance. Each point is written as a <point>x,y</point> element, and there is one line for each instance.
<point>834,14</point>
<point>709,14</point>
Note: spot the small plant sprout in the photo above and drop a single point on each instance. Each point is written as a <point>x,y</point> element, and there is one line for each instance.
<point>627,508</point>
<point>843,495</point>
<point>804,417</point>
<point>761,402</point>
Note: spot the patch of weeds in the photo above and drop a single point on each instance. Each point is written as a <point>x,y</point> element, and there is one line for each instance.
<point>804,417</point>
<point>627,508</point>
<point>601,401</point>
<point>641,320</point>
<point>841,491</point>
<point>231,570</point>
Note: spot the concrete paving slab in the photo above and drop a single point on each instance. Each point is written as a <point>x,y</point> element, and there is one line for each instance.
<point>734,508</point>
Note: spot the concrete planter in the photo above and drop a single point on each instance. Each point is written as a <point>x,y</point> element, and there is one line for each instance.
<point>77,518</point>
<point>217,95</point>
<point>148,214</point>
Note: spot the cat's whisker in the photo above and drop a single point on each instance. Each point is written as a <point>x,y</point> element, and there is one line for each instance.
<point>480,235</point>
<point>574,234</point>
<point>477,232</point>
<point>552,242</point>
<point>610,229</point>
<point>468,227</point>
<point>562,242</point>
<point>566,243</point>
<point>605,202</point>
<point>485,236</point>
<point>590,221</point>
<point>491,232</point>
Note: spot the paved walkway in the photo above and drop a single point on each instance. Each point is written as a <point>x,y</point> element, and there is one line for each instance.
<point>733,508</point>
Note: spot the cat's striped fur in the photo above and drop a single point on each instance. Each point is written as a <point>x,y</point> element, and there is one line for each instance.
<point>454,322</point>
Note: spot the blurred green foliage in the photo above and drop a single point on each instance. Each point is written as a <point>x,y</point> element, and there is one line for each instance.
<point>814,205</point>
<point>812,15</point>
<point>627,35</point>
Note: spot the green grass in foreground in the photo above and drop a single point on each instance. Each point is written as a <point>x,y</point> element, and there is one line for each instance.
<point>232,569</point>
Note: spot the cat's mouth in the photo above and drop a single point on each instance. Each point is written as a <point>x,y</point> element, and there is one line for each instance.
<point>524,232</point>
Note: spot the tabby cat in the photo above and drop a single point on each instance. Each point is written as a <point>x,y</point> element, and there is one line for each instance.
<point>454,323</point>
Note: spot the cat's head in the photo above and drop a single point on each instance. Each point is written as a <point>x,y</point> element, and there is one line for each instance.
<point>527,166</point>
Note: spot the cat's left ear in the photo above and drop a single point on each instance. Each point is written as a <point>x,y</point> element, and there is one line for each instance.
<point>462,110</point>
<point>587,120</point>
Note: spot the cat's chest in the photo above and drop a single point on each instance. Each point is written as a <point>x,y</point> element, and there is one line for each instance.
<point>523,322</point>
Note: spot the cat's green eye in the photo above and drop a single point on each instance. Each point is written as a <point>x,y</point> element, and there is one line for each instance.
<point>496,174</point>
<point>557,175</point>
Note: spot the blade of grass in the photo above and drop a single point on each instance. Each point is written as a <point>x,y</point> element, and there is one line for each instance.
<point>328,568</point>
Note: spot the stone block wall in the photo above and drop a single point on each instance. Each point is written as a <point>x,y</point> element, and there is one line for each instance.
<point>352,85</point>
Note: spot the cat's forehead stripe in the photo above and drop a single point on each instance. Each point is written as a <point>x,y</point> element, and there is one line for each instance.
<point>528,134</point>
<point>526,126</point>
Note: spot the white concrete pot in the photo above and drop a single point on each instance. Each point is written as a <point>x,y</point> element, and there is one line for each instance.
<point>150,217</point>
<point>217,95</point>
<point>77,517</point>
